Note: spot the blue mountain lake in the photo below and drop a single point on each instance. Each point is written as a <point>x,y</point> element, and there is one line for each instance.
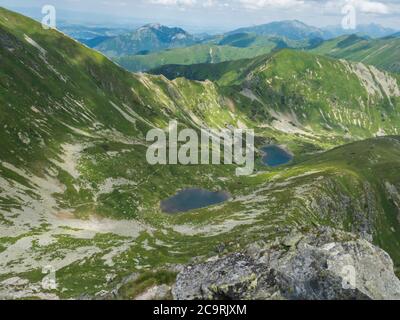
<point>191,199</point>
<point>275,156</point>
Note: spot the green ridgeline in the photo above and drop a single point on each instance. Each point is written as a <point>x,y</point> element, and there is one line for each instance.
<point>383,53</point>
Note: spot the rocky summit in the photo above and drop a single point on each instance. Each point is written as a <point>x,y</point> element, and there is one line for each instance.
<point>325,264</point>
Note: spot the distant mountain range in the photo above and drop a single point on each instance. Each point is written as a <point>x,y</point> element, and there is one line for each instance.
<point>154,45</point>
<point>220,49</point>
<point>156,37</point>
<point>395,35</point>
<point>297,30</point>
<point>291,29</point>
<point>371,30</point>
<point>383,53</point>
<point>149,38</point>
<point>80,32</point>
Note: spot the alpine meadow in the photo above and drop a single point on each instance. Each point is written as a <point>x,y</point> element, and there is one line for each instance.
<point>293,194</point>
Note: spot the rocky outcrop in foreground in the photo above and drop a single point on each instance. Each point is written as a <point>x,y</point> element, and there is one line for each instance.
<point>325,264</point>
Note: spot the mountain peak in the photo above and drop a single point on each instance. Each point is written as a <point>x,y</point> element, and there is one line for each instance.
<point>290,29</point>
<point>293,22</point>
<point>162,28</point>
<point>153,25</point>
<point>148,38</point>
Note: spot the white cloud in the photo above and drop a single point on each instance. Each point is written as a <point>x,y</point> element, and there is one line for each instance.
<point>371,6</point>
<point>248,4</point>
<point>256,4</point>
<point>174,2</point>
<point>363,6</point>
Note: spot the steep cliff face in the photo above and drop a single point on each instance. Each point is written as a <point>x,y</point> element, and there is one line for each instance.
<point>324,264</point>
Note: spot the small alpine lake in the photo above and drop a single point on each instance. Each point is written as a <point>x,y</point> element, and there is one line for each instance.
<point>191,199</point>
<point>275,156</point>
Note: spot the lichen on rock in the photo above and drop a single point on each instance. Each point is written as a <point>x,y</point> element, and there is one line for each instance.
<point>323,264</point>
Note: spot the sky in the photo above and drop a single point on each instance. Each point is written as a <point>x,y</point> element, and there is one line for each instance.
<point>213,15</point>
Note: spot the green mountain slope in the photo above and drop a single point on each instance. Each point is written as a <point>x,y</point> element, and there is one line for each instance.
<point>77,194</point>
<point>246,40</point>
<point>202,53</point>
<point>297,89</point>
<point>73,148</point>
<point>219,72</point>
<point>220,49</point>
<point>383,53</point>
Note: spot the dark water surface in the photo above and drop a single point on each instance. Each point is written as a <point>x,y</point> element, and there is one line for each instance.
<point>194,198</point>
<point>276,156</point>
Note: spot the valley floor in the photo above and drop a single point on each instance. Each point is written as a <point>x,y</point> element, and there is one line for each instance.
<point>96,253</point>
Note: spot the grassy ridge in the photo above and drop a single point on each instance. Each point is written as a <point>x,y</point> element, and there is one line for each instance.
<point>383,53</point>
<point>219,49</point>
<point>203,53</point>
